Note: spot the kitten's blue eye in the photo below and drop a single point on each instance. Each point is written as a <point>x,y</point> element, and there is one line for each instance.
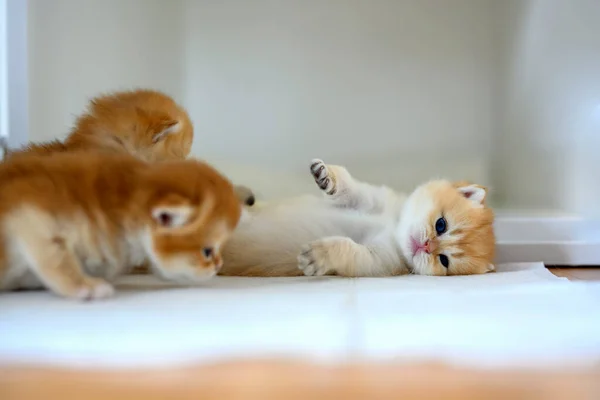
<point>208,252</point>
<point>440,225</point>
<point>444,260</point>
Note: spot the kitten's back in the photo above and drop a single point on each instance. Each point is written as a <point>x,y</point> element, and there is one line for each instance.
<point>145,123</point>
<point>57,181</point>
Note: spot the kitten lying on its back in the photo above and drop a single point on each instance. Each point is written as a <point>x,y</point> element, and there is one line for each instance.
<point>145,123</point>
<point>358,229</point>
<point>70,221</point>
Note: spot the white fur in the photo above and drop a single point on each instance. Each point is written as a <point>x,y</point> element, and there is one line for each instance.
<point>167,131</point>
<point>272,237</point>
<point>474,193</point>
<point>416,211</point>
<point>352,232</point>
<point>181,268</point>
<point>355,229</point>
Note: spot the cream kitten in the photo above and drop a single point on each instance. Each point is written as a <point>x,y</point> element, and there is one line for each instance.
<point>358,229</point>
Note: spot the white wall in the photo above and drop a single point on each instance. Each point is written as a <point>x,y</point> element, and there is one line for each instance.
<point>3,69</point>
<point>399,91</point>
<point>14,118</point>
<point>79,48</point>
<point>501,92</point>
<point>548,126</point>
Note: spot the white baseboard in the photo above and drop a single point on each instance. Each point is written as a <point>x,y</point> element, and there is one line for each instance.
<point>553,240</point>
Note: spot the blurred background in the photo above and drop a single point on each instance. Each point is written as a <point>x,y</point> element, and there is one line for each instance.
<point>505,93</point>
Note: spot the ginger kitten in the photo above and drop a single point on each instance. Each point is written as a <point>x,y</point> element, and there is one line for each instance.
<point>145,123</point>
<point>73,222</point>
<point>358,229</point>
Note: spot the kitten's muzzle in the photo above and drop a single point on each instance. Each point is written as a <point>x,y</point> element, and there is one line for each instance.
<point>428,246</point>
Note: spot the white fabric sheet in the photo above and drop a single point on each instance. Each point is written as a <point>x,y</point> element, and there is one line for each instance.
<point>520,315</point>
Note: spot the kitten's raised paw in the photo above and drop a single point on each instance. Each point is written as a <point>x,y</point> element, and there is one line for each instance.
<point>313,260</point>
<point>94,288</point>
<point>324,179</point>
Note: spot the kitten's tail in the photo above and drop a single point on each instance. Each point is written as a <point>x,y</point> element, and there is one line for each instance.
<point>245,195</point>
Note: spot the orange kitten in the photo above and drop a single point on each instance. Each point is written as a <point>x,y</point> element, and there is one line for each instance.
<point>145,123</point>
<point>358,229</point>
<point>72,222</point>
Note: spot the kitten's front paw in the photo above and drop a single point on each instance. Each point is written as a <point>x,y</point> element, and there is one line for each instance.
<point>94,288</point>
<point>313,259</point>
<point>324,179</point>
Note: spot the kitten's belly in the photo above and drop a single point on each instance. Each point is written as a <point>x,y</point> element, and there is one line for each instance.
<point>101,268</point>
<point>104,261</point>
<point>275,237</point>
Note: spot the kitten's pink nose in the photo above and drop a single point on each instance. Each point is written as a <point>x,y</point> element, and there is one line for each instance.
<point>429,246</point>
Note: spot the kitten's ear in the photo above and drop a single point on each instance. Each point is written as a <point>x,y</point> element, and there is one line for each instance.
<point>165,128</point>
<point>172,211</point>
<point>175,211</point>
<point>475,193</point>
<point>172,216</point>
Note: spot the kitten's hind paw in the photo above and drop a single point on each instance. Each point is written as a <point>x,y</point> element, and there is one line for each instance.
<point>323,177</point>
<point>308,264</point>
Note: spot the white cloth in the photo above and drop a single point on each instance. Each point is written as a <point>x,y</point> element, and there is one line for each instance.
<point>521,314</point>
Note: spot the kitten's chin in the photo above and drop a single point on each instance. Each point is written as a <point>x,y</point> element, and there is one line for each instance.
<point>186,277</point>
<point>419,265</point>
<point>192,279</point>
<point>427,271</point>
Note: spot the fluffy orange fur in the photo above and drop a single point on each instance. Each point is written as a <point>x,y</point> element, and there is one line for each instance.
<point>72,221</point>
<point>145,123</point>
<point>469,241</point>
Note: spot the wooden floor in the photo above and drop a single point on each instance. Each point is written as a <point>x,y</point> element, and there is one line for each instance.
<point>279,379</point>
<point>577,274</point>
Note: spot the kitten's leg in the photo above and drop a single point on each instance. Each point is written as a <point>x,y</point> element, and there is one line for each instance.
<point>342,256</point>
<point>344,191</point>
<point>59,269</point>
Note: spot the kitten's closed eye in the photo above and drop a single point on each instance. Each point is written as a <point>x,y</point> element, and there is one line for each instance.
<point>441,225</point>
